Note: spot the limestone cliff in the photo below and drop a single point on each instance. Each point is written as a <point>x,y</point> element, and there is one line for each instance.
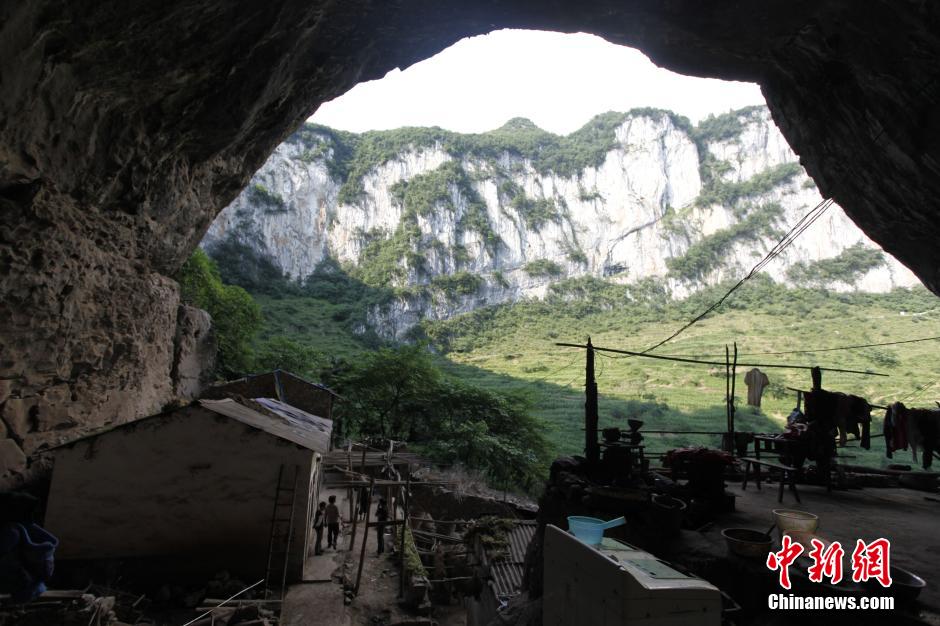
<point>453,222</point>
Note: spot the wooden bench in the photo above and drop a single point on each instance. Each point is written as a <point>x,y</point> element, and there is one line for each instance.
<point>788,477</point>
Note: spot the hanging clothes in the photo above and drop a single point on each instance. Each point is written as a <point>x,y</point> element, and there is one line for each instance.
<point>855,417</point>
<point>756,381</point>
<point>917,428</point>
<point>842,413</point>
<point>927,424</point>
<point>895,429</point>
<point>820,410</point>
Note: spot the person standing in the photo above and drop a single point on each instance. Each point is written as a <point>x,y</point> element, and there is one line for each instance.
<point>381,516</point>
<point>331,514</point>
<point>363,502</point>
<point>319,520</point>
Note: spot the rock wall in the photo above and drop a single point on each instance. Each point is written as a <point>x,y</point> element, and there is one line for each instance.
<point>126,126</point>
<point>641,205</point>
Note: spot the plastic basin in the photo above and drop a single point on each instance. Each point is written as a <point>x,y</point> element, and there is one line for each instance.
<point>747,543</point>
<point>590,530</point>
<point>788,519</point>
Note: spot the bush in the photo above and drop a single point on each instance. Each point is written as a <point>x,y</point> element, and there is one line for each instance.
<point>288,355</point>
<point>535,212</point>
<point>262,196</point>
<point>847,267</point>
<point>726,194</point>
<point>458,284</point>
<point>235,315</point>
<point>542,268</point>
<point>708,253</point>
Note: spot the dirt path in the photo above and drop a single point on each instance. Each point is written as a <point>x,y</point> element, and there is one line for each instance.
<point>320,601</point>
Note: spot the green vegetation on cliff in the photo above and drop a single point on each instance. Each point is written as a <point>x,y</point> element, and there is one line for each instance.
<point>267,199</point>
<point>727,194</point>
<point>709,252</point>
<point>235,315</point>
<point>542,268</point>
<point>353,156</point>
<point>850,265</point>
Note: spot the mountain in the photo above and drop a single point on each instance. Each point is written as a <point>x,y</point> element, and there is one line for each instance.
<point>443,223</point>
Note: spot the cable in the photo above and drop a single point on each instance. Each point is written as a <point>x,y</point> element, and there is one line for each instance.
<point>560,369</point>
<point>919,390</point>
<point>805,222</point>
<point>867,345</point>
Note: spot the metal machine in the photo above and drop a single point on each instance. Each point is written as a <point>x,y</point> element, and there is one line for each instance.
<point>615,583</point>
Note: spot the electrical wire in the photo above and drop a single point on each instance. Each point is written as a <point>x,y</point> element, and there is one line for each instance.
<point>919,390</point>
<point>556,371</point>
<point>866,345</point>
<point>805,222</point>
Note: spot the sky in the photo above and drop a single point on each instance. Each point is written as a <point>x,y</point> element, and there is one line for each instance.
<point>558,81</point>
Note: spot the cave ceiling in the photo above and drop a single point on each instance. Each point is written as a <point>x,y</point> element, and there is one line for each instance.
<point>126,126</point>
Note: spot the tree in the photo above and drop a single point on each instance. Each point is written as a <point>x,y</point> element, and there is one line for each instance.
<point>236,317</point>
<point>287,354</point>
<point>401,393</point>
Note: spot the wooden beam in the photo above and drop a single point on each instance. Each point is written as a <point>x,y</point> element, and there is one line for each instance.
<point>405,517</point>
<point>365,539</point>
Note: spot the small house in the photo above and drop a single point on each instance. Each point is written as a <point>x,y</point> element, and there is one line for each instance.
<point>195,490</point>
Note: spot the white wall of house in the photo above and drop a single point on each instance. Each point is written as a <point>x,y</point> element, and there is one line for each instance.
<point>189,485</point>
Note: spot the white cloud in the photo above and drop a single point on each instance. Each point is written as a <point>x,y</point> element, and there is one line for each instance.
<point>558,81</point>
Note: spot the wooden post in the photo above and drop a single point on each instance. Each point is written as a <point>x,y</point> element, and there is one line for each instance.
<point>401,564</point>
<point>365,535</point>
<point>349,491</point>
<point>355,517</point>
<point>591,447</point>
<point>734,375</point>
<point>728,400</point>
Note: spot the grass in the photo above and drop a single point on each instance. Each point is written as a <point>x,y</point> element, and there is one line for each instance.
<point>521,355</point>
<point>323,325</point>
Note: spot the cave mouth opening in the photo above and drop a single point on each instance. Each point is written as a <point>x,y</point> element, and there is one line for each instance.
<point>735,173</point>
<point>559,81</point>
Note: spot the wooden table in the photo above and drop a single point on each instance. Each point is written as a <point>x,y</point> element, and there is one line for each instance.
<point>780,446</point>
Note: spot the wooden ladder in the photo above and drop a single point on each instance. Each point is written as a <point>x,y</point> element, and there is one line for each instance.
<point>282,531</point>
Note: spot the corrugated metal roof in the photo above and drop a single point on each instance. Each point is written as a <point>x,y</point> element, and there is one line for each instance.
<point>507,573</point>
<point>274,374</point>
<point>287,422</point>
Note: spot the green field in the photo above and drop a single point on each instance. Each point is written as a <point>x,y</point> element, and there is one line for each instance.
<point>512,348</point>
<point>518,351</point>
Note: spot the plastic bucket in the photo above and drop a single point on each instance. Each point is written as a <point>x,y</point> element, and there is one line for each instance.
<point>590,530</point>
<point>788,519</point>
<point>666,515</point>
